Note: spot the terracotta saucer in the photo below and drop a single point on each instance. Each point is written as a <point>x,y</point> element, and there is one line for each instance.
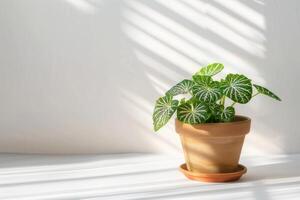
<point>217,177</point>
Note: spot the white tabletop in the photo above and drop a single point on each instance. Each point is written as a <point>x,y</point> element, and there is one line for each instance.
<point>140,176</point>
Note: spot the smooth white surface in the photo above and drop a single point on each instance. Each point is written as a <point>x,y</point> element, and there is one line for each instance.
<point>81,76</point>
<point>140,177</point>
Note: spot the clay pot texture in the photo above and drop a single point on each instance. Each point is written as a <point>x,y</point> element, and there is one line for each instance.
<point>213,147</point>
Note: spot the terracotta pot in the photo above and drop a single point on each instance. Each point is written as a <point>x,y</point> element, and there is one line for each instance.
<point>213,147</point>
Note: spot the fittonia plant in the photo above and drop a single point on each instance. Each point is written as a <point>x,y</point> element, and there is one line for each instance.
<point>206,102</point>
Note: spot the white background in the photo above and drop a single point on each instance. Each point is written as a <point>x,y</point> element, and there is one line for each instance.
<point>81,76</point>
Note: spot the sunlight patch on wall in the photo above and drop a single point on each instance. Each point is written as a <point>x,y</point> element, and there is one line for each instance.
<point>212,49</point>
<point>245,12</point>
<point>83,5</point>
<point>157,66</point>
<point>186,41</point>
<point>166,37</point>
<point>232,22</point>
<point>155,46</point>
<point>160,86</point>
<point>207,23</point>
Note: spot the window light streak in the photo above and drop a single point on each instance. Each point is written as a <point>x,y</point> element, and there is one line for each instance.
<point>191,36</point>
<point>227,19</point>
<point>167,37</point>
<point>245,12</point>
<point>83,5</point>
<point>160,180</point>
<point>159,86</point>
<point>138,100</point>
<point>158,48</point>
<point>157,66</point>
<point>73,175</point>
<point>217,28</point>
<point>259,2</point>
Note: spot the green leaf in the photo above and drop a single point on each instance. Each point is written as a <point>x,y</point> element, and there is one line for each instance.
<point>227,114</point>
<point>205,89</point>
<point>202,80</point>
<point>182,101</point>
<point>163,111</point>
<point>237,87</point>
<point>183,87</point>
<point>193,113</point>
<point>192,100</point>
<point>265,91</point>
<point>214,110</point>
<point>210,70</point>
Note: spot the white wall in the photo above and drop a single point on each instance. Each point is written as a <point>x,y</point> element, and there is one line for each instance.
<point>81,76</point>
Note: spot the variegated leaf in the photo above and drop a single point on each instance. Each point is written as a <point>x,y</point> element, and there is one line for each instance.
<point>227,114</point>
<point>237,87</point>
<point>214,110</point>
<point>211,69</point>
<point>205,89</point>
<point>265,91</point>
<point>193,113</point>
<point>165,107</point>
<point>182,87</point>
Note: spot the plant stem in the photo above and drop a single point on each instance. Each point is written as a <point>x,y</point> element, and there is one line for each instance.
<point>255,94</point>
<point>222,102</point>
<point>251,97</point>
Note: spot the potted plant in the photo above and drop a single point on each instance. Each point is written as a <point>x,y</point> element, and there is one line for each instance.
<point>211,134</point>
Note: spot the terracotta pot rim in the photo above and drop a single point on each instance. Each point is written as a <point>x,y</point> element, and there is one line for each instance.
<point>242,117</point>
<point>237,128</point>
